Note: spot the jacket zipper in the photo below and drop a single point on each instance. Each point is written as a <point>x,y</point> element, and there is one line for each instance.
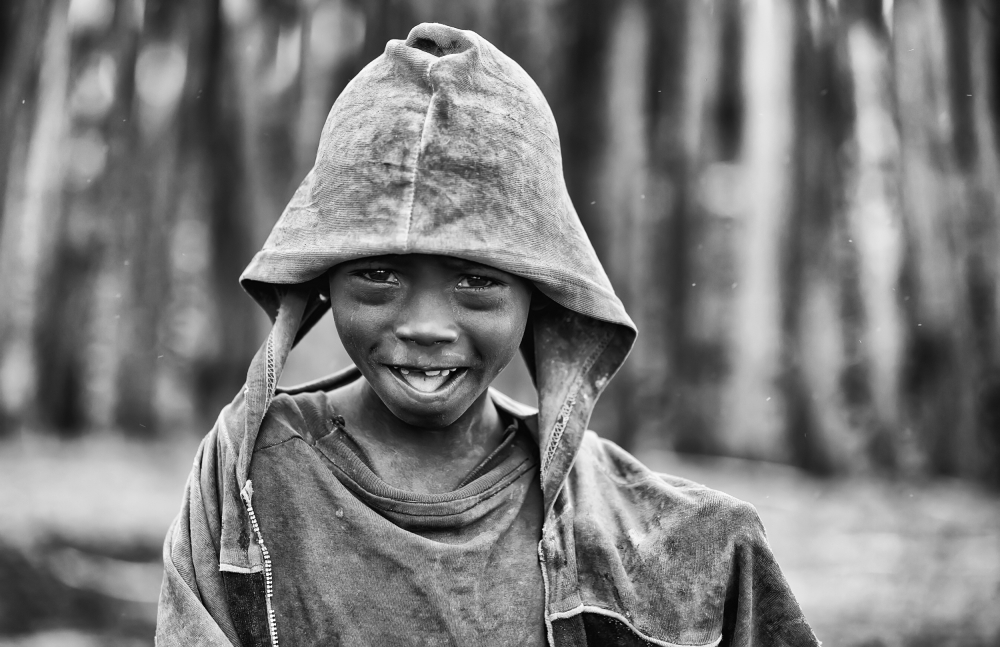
<point>272,626</point>
<point>545,587</point>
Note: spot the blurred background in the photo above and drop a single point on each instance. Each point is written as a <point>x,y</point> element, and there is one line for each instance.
<point>797,200</point>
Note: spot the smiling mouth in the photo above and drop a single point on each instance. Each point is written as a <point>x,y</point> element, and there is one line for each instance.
<point>426,380</point>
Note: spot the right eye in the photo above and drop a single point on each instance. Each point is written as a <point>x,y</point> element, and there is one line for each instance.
<point>378,276</point>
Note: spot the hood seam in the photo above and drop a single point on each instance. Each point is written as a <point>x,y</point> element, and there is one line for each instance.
<point>590,608</point>
<point>563,418</point>
<point>416,160</point>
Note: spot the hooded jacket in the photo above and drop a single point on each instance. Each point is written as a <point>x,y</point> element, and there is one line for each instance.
<point>443,145</point>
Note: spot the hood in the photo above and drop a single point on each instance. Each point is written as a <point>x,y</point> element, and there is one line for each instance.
<point>444,145</point>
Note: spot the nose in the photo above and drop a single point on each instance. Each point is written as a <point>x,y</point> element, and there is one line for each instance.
<point>427,323</point>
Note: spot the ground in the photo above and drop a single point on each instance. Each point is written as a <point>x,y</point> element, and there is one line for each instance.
<point>874,563</point>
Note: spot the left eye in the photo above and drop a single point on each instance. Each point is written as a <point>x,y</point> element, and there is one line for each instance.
<point>476,282</point>
<point>378,276</point>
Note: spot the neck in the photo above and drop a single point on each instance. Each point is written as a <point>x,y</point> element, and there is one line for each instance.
<point>420,459</point>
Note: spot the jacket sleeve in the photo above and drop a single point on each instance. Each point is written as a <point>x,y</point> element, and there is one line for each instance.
<point>192,608</point>
<point>760,609</point>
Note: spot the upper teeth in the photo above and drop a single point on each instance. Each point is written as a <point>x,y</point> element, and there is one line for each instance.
<point>442,371</point>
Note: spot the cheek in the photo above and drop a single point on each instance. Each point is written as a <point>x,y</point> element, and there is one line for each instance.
<point>499,333</point>
<point>346,328</point>
<point>357,325</point>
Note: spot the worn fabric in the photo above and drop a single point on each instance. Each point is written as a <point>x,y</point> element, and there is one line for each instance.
<point>443,145</point>
<point>358,562</point>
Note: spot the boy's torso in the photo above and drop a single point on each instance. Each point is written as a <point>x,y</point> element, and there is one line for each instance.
<point>356,561</point>
<point>626,556</point>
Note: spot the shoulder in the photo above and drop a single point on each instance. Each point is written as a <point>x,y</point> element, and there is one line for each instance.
<point>307,416</point>
<point>611,479</point>
<point>304,411</point>
<point>672,543</point>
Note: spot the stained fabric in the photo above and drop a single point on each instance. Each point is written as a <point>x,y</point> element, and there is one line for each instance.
<point>443,145</point>
<point>357,562</point>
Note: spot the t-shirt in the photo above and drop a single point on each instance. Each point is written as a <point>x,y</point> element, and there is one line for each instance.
<point>356,561</point>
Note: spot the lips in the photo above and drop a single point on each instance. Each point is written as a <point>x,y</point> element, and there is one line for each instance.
<point>425,380</point>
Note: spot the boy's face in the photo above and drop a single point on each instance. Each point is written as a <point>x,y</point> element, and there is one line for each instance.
<point>429,333</point>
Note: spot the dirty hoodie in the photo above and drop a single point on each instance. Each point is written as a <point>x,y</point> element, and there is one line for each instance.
<point>443,145</point>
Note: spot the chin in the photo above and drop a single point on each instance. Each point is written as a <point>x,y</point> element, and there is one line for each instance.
<point>435,409</point>
<point>425,420</point>
<point>425,415</point>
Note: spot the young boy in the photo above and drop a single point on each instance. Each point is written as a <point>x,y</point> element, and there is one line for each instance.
<point>403,501</point>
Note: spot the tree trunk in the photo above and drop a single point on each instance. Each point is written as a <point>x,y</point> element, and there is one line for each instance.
<point>22,27</point>
<point>622,184</point>
<point>30,226</point>
<point>984,264</point>
<point>756,414</point>
<point>698,133</point>
<point>941,368</point>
